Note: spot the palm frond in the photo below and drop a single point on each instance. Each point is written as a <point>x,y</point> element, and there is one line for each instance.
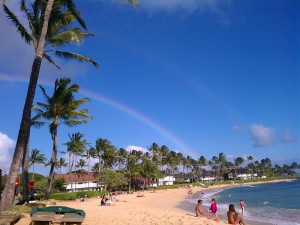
<point>70,55</point>
<point>72,7</point>
<point>133,2</point>
<point>30,17</point>
<point>20,28</point>
<point>69,37</point>
<point>49,59</point>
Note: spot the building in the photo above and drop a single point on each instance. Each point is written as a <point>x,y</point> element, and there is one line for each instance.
<point>242,174</point>
<point>81,181</point>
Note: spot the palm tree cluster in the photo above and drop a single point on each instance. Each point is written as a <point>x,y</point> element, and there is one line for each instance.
<point>51,23</point>
<point>143,167</point>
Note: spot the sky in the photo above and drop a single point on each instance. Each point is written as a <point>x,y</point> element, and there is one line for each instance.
<point>200,76</point>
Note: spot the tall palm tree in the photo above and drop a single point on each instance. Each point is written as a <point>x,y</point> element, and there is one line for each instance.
<point>76,147</point>
<point>163,152</point>
<point>202,162</point>
<point>60,109</point>
<point>61,163</point>
<point>121,157</point>
<point>237,162</point>
<point>24,130</point>
<point>90,153</point>
<point>81,163</point>
<point>101,144</point>
<point>109,156</point>
<point>36,158</point>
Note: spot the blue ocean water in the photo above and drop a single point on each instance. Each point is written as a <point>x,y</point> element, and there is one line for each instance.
<point>274,203</point>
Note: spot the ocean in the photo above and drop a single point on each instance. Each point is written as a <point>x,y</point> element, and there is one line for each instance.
<point>275,203</point>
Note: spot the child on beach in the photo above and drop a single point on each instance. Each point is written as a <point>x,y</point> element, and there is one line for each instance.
<point>242,204</point>
<point>233,216</point>
<point>213,209</point>
<point>198,209</point>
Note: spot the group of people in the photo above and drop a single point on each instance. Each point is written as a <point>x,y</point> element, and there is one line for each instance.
<point>232,216</point>
<point>107,200</point>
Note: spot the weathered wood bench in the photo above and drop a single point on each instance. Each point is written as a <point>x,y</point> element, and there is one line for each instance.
<point>9,219</point>
<point>41,216</point>
<point>72,218</point>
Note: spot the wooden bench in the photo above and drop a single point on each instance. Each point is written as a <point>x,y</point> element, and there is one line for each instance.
<point>41,216</point>
<point>9,219</point>
<point>72,218</point>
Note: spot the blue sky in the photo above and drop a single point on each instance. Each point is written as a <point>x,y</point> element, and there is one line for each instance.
<point>200,76</point>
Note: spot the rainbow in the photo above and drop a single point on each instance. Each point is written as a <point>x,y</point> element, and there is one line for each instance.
<point>122,108</point>
<point>172,71</point>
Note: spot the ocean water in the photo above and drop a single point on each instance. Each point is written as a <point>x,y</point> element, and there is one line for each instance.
<point>272,203</point>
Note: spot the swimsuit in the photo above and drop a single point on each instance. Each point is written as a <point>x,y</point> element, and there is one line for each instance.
<point>213,208</point>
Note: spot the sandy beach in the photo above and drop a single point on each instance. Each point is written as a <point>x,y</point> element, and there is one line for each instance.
<point>159,208</point>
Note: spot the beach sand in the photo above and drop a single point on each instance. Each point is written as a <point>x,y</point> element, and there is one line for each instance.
<point>164,207</point>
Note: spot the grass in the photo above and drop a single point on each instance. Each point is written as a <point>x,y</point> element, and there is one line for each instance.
<point>17,209</point>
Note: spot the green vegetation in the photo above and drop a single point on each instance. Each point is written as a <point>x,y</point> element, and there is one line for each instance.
<point>112,178</point>
<point>17,209</point>
<point>75,195</point>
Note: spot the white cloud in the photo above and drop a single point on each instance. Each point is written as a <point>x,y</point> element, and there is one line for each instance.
<point>187,5</point>
<point>137,148</point>
<point>237,128</point>
<point>7,146</point>
<point>216,7</point>
<point>262,136</point>
<point>287,136</point>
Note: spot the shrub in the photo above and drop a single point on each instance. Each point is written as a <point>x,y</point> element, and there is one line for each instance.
<point>88,194</point>
<point>64,196</point>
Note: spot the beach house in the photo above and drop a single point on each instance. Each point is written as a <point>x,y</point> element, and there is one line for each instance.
<point>242,174</point>
<point>82,181</point>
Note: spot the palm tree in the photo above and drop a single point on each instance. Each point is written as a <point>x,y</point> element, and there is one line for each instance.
<point>61,108</point>
<point>45,22</point>
<point>24,130</point>
<point>148,169</point>
<point>81,163</point>
<point>101,144</point>
<point>109,156</point>
<point>90,153</point>
<point>121,157</point>
<point>76,147</point>
<point>237,162</point>
<point>163,152</point>
<point>36,158</point>
<point>61,163</point>
<point>202,162</point>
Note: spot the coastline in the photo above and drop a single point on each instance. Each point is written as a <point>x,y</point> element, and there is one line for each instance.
<point>163,207</point>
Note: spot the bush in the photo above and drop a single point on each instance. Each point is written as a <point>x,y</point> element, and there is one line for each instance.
<point>74,195</point>
<point>64,196</point>
<point>89,194</point>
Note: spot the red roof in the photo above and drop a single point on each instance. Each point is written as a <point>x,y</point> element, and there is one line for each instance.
<point>77,177</point>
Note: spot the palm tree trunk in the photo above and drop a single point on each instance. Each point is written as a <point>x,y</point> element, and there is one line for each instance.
<point>32,177</point>
<point>52,164</point>
<point>24,130</point>
<point>99,170</point>
<point>75,172</point>
<point>25,175</point>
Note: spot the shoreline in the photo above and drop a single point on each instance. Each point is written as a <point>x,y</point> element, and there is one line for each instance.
<point>163,207</point>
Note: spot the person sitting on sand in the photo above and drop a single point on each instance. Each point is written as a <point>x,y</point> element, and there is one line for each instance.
<point>140,195</point>
<point>213,209</point>
<point>198,209</point>
<point>103,199</point>
<point>233,216</point>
